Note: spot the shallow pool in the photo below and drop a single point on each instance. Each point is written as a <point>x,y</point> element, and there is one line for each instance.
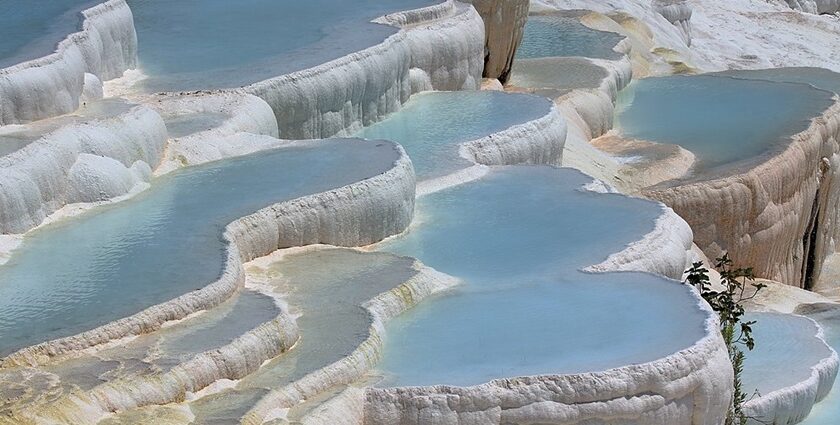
<point>518,238</point>
<point>562,34</point>
<point>431,126</point>
<point>722,120</point>
<point>28,32</point>
<point>199,44</point>
<point>117,260</point>
<point>786,349</point>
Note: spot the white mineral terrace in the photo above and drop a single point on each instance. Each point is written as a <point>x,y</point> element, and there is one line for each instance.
<point>415,212</point>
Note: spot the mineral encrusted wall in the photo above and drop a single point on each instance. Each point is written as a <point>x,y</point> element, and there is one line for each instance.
<point>87,161</point>
<point>438,48</point>
<point>776,216</point>
<point>53,85</point>
<point>504,23</point>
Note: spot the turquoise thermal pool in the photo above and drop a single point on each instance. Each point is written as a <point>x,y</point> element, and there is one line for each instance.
<point>431,126</point>
<point>722,120</point>
<point>202,44</point>
<point>827,412</point>
<point>557,35</point>
<point>28,32</point>
<point>518,238</point>
<point>785,351</point>
<point>116,260</point>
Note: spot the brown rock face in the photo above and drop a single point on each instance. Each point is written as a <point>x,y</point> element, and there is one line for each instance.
<point>504,23</point>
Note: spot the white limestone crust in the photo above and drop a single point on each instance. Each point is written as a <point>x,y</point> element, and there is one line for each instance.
<point>53,85</point>
<point>61,167</point>
<point>357,214</point>
<point>235,360</point>
<point>341,96</point>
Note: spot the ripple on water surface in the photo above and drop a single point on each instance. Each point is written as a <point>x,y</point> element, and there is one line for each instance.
<point>117,260</point>
<point>431,126</point>
<point>518,238</point>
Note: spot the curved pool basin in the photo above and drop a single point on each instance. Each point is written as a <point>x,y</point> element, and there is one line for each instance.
<point>28,32</point>
<point>518,238</point>
<point>820,78</point>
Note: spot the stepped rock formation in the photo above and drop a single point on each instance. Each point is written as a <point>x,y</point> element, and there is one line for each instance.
<point>86,161</point>
<point>439,47</point>
<point>504,24</point>
<point>677,12</point>
<point>780,217</point>
<point>104,48</point>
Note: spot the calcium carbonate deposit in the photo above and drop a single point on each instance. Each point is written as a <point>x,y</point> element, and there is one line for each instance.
<point>418,212</point>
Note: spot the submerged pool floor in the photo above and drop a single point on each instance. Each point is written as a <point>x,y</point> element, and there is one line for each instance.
<point>518,238</point>
<point>723,121</point>
<point>562,34</point>
<point>117,260</point>
<point>202,44</point>
<point>431,126</point>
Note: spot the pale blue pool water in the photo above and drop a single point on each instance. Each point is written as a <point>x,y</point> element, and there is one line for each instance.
<point>723,121</point>
<point>116,260</point>
<point>431,126</point>
<point>820,78</point>
<point>328,288</point>
<point>196,44</point>
<point>517,238</point>
<point>786,349</point>
<point>563,35</point>
<point>827,412</point>
<point>29,29</point>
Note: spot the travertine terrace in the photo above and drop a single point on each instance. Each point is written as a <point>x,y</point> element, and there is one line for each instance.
<point>414,212</point>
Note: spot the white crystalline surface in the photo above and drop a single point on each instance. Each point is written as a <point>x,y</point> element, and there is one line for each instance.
<point>518,238</point>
